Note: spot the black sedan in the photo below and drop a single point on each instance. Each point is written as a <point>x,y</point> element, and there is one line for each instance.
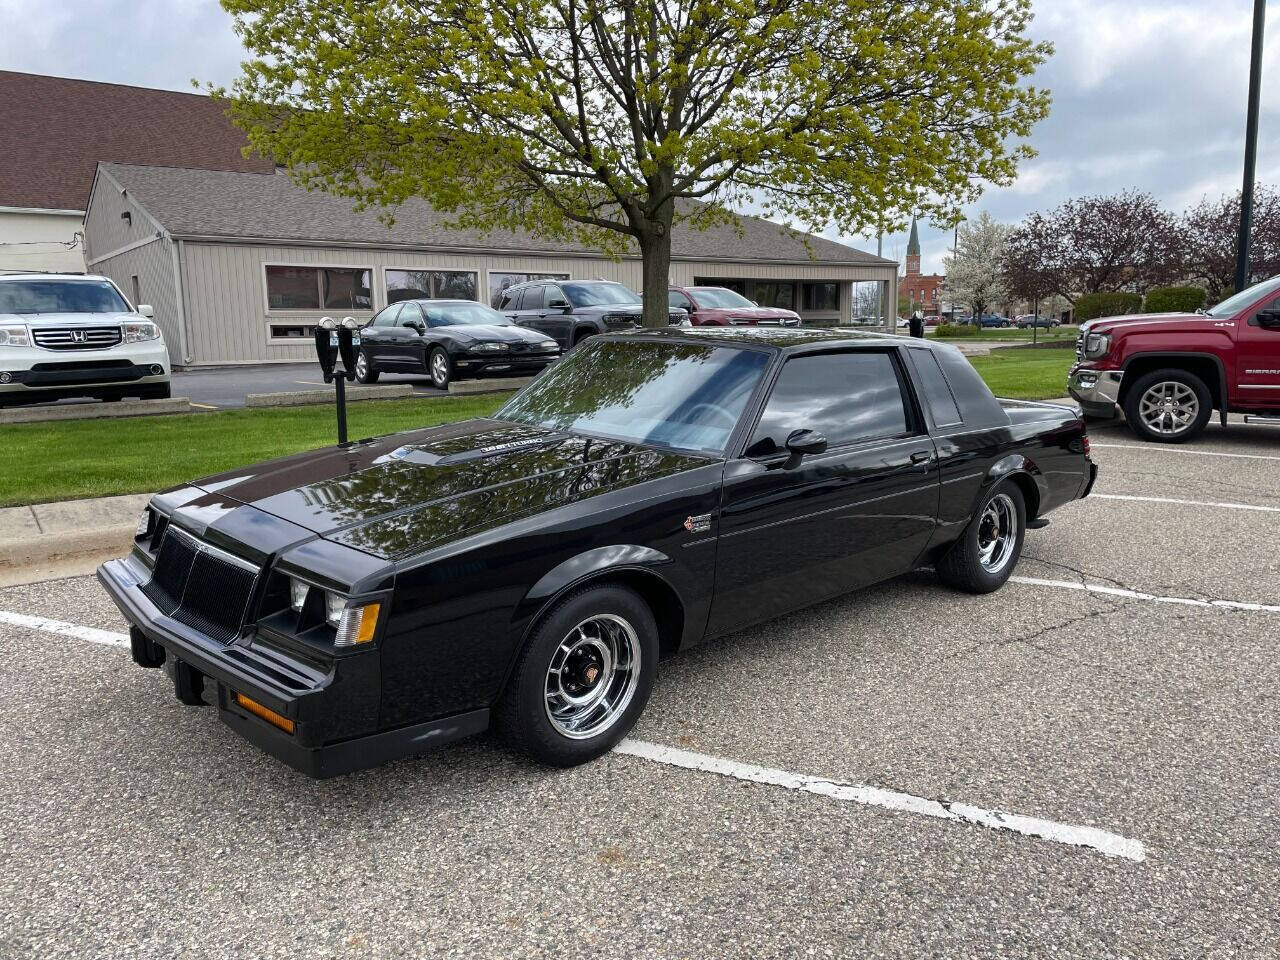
<point>526,572</point>
<point>449,340</point>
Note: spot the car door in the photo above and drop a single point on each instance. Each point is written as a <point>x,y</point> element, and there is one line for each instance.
<point>1258,358</point>
<point>411,337</point>
<point>557,316</point>
<point>679,300</point>
<point>796,530</point>
<point>378,338</point>
<point>529,313</point>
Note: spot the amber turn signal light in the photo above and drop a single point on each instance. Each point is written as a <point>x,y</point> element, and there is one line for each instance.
<point>258,710</point>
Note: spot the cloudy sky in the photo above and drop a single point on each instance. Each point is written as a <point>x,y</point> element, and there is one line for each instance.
<point>1147,93</point>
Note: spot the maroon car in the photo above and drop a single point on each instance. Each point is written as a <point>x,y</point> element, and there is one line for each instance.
<point>721,307</point>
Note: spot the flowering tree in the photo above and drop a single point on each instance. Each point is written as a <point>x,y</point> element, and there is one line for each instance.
<point>975,273</point>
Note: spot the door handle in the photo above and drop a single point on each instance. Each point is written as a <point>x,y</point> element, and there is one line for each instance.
<point>920,456</point>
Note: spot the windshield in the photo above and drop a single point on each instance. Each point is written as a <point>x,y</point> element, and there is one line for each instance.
<point>597,294</point>
<point>463,314</point>
<point>682,395</point>
<point>719,297</point>
<point>1233,305</point>
<point>60,296</point>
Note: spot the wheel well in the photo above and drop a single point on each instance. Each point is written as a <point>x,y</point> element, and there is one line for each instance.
<point>1203,367</point>
<point>581,334</point>
<point>1030,493</point>
<point>668,611</point>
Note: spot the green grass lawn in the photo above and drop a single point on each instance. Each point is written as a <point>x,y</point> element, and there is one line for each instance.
<point>1026,374</point>
<point>1010,333</point>
<point>71,460</point>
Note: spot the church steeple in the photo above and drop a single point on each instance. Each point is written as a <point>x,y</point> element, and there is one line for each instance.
<point>913,251</point>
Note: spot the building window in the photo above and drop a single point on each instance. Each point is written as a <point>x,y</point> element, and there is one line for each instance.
<point>770,294</point>
<point>431,284</point>
<point>737,286</point>
<point>291,331</point>
<point>822,296</point>
<point>499,282</point>
<point>319,288</point>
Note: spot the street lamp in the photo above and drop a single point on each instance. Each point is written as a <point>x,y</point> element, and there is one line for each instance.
<point>1250,146</point>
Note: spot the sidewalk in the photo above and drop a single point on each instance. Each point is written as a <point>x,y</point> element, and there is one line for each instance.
<point>39,535</point>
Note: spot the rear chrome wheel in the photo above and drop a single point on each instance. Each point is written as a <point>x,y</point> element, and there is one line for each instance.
<point>593,676</point>
<point>997,533</point>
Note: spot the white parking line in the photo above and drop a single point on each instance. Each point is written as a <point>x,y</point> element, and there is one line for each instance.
<point>1190,503</point>
<point>1139,595</point>
<point>62,628</point>
<point>1105,842</point>
<point>1165,448</point>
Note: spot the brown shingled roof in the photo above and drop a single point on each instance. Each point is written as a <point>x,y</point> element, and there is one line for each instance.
<point>211,203</point>
<point>56,130</point>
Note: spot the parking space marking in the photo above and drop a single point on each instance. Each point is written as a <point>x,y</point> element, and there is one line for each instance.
<point>62,628</point>
<point>1107,843</point>
<point>1139,595</point>
<point>1103,841</point>
<point>1164,448</point>
<point>1189,503</point>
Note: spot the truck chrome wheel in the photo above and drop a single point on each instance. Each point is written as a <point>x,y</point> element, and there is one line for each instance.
<point>1169,407</point>
<point>592,676</point>
<point>997,533</point>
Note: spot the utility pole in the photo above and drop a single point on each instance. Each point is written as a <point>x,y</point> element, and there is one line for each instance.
<point>1250,146</point>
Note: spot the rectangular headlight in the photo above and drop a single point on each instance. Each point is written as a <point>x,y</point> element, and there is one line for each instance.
<point>1097,345</point>
<point>297,594</point>
<point>144,525</point>
<point>138,332</point>
<point>14,336</point>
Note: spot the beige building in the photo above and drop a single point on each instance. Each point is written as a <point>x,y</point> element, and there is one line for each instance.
<point>239,266</point>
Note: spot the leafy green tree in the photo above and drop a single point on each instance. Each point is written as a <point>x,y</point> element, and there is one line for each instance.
<point>611,122</point>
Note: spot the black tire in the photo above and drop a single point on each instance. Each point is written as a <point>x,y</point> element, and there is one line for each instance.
<point>365,372</point>
<point>439,368</point>
<point>1175,382</point>
<point>521,717</point>
<point>581,336</point>
<point>962,566</point>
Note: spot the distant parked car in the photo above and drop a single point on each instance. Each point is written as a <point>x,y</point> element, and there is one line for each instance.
<point>934,321</point>
<point>1026,321</point>
<point>572,310</point>
<point>722,307</point>
<point>994,320</point>
<point>76,336</point>
<point>449,340</point>
<point>865,321</point>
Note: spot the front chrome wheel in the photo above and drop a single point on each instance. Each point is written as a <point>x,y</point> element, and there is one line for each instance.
<point>1169,408</point>
<point>592,676</point>
<point>997,533</point>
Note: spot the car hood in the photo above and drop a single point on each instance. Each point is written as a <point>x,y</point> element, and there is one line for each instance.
<point>69,319</point>
<point>501,333</point>
<point>405,493</point>
<point>756,313</point>
<point>1152,322</point>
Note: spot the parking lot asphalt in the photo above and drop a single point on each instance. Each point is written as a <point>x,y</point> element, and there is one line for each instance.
<point>224,387</point>
<point>1127,680</point>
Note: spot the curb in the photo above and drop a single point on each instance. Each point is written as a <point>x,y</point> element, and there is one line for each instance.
<point>493,385</point>
<point>26,552</point>
<point>95,411</point>
<point>304,397</point>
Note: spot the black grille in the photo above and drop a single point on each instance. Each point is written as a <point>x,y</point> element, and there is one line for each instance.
<point>199,587</point>
<point>76,338</point>
<point>59,365</point>
<point>615,321</point>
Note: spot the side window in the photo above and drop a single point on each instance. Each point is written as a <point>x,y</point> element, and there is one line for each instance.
<point>510,300</point>
<point>678,301</point>
<point>387,317</point>
<point>847,397</point>
<point>551,293</point>
<point>533,297</point>
<point>937,392</point>
<point>1272,304</point>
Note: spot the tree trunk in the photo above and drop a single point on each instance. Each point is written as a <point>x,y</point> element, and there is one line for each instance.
<point>655,247</point>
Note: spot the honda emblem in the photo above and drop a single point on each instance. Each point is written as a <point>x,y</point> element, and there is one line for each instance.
<point>79,336</point>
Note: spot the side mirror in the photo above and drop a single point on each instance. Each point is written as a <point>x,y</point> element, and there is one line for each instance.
<point>558,304</point>
<point>416,325</point>
<point>146,310</point>
<point>1269,318</point>
<point>803,442</point>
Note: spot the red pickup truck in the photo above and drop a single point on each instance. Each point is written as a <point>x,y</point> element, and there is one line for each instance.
<point>1169,372</point>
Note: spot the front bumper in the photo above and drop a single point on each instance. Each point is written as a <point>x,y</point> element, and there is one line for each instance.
<point>35,371</point>
<point>474,366</point>
<point>1097,391</point>
<point>333,709</point>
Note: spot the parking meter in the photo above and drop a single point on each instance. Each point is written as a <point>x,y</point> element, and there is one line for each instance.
<point>347,345</point>
<point>334,339</point>
<point>326,349</point>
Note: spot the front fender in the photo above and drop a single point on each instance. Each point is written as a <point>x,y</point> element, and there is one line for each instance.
<point>565,574</point>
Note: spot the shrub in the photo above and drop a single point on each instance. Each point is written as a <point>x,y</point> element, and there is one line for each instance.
<point>953,330</point>
<point>1091,306</point>
<point>1174,300</point>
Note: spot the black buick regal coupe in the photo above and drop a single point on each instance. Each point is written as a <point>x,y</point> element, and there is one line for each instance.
<point>526,572</point>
